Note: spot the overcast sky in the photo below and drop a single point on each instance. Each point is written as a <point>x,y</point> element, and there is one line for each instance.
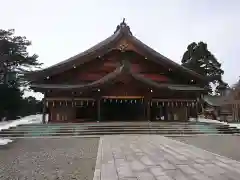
<point>60,29</point>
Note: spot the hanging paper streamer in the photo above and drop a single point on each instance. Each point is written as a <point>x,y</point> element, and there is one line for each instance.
<point>125,100</point>
<point>104,100</point>
<point>110,100</point>
<point>151,103</point>
<point>172,104</point>
<point>131,101</point>
<point>121,101</point>
<point>163,103</point>
<point>93,103</point>
<point>87,103</point>
<point>168,104</point>
<point>53,104</point>
<point>66,103</point>
<point>157,103</point>
<point>135,101</point>
<point>181,103</point>
<point>60,103</point>
<point>176,104</point>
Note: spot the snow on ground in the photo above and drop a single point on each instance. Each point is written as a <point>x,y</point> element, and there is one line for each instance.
<point>234,125</point>
<point>5,141</point>
<point>211,121</point>
<point>32,119</point>
<point>216,121</point>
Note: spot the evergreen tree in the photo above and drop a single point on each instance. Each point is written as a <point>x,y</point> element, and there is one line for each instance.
<point>14,62</point>
<point>199,59</point>
<point>14,58</point>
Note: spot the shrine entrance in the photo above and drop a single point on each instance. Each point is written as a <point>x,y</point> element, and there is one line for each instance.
<point>122,109</point>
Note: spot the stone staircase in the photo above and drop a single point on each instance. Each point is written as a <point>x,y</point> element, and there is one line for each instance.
<point>110,128</point>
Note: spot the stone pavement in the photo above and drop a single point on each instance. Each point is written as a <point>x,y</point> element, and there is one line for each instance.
<point>154,157</point>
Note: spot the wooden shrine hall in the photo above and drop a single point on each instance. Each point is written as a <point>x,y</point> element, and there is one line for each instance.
<point>119,79</point>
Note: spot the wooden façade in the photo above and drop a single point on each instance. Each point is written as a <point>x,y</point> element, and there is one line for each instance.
<point>120,78</point>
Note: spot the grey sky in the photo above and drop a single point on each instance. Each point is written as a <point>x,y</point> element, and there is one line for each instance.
<point>60,29</point>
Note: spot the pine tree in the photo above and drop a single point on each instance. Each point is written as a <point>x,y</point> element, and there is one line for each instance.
<point>14,58</point>
<point>14,62</point>
<point>199,59</point>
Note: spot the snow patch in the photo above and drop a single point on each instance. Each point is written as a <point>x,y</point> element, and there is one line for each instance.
<point>219,122</point>
<point>234,125</point>
<point>5,141</point>
<point>32,119</point>
<point>210,121</point>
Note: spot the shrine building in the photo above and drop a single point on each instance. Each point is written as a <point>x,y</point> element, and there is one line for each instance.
<point>119,79</point>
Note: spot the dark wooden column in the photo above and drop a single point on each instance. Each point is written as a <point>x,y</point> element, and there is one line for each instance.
<point>147,103</point>
<point>44,109</point>
<point>196,106</point>
<point>50,113</point>
<point>149,110</point>
<point>98,109</point>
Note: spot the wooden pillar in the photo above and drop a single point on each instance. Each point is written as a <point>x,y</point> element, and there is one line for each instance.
<point>147,104</point>
<point>196,106</point>
<point>98,109</point>
<point>49,114</point>
<point>186,113</point>
<point>234,113</point>
<point>44,109</point>
<point>237,112</point>
<point>149,110</point>
<point>236,109</point>
<point>232,105</point>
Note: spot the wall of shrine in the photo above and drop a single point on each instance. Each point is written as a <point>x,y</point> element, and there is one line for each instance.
<point>62,113</point>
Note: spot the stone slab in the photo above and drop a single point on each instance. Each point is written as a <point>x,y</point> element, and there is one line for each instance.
<point>152,157</point>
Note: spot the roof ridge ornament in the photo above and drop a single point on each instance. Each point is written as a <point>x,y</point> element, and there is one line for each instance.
<point>123,27</point>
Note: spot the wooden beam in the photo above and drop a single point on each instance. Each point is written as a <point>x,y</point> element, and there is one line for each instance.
<point>69,99</point>
<point>178,100</point>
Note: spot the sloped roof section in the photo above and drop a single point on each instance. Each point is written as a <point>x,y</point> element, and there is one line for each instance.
<point>214,100</point>
<point>125,69</point>
<point>228,98</point>
<point>122,31</point>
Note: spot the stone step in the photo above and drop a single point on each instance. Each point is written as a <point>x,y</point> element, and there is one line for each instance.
<point>147,130</point>
<point>119,130</point>
<point>82,129</point>
<point>117,126</point>
<point>111,129</point>
<point>94,133</point>
<point>105,125</point>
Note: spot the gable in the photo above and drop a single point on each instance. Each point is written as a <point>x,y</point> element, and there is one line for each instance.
<point>122,38</point>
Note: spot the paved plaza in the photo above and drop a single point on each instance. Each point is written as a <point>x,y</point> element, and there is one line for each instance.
<point>224,145</point>
<point>49,159</point>
<point>154,157</point>
<point>120,157</point>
